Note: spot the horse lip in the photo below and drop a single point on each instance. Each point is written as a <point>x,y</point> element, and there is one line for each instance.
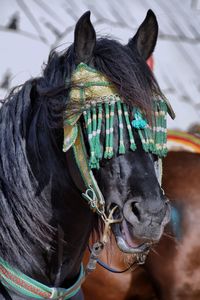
<point>124,247</point>
<point>121,243</point>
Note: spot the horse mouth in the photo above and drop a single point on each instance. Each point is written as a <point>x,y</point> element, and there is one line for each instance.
<point>128,244</point>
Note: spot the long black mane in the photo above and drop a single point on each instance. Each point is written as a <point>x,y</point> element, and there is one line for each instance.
<point>25,206</point>
<point>37,109</point>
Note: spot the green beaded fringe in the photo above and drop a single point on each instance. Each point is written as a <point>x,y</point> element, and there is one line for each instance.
<point>100,102</point>
<point>153,137</point>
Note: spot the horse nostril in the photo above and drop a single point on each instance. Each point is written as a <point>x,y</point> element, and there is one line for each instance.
<point>135,210</point>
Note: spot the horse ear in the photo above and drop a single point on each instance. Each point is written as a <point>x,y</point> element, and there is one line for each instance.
<point>146,36</point>
<point>84,39</point>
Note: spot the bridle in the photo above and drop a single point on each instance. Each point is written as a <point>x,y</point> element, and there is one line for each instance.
<point>80,166</point>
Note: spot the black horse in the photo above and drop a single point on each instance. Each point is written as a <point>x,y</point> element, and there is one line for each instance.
<point>45,222</point>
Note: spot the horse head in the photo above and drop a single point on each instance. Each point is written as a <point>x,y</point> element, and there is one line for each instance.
<point>127,162</point>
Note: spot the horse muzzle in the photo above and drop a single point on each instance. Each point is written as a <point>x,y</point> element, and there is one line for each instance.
<point>140,229</point>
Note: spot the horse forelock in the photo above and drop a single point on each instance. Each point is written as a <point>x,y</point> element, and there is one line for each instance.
<point>123,66</point>
<point>128,71</point>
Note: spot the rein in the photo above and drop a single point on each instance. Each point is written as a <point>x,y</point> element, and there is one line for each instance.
<point>140,260</point>
<point>112,270</point>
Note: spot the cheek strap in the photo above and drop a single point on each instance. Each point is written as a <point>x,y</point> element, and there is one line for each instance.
<point>82,175</point>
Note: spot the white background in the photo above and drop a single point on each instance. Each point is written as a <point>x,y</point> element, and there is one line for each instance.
<point>46,24</point>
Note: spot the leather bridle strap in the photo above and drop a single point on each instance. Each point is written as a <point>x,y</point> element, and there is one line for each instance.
<point>82,176</point>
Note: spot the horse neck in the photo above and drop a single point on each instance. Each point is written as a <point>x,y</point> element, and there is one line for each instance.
<point>73,221</point>
<point>36,193</point>
<point>70,214</point>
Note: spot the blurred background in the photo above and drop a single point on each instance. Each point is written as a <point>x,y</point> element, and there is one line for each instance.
<point>30,29</point>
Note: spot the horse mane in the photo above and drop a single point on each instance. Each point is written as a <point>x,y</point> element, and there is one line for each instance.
<point>22,212</point>
<point>25,208</point>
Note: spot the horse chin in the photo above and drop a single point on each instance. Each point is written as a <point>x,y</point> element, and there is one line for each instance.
<point>124,247</point>
<point>126,243</point>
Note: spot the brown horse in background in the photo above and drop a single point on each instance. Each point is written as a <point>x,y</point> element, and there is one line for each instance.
<point>175,274</point>
<point>172,270</point>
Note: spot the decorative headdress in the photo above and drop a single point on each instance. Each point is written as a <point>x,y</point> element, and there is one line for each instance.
<point>96,98</point>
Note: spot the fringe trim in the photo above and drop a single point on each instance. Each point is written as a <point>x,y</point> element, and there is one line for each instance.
<point>153,138</point>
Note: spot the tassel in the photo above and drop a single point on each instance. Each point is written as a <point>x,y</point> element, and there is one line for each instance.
<point>88,122</point>
<point>153,131</point>
<point>106,152</point>
<point>128,125</point>
<point>159,128</point>
<point>111,117</point>
<point>121,127</point>
<point>95,161</point>
<point>99,123</point>
<point>164,128</point>
<point>138,122</point>
<point>155,150</point>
